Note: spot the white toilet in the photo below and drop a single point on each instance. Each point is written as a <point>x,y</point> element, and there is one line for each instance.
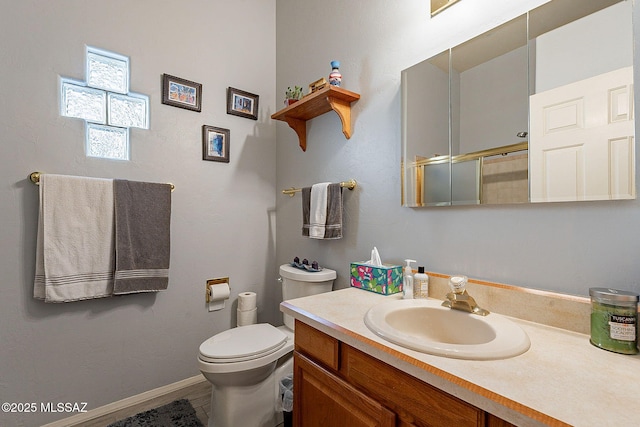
<point>245,364</point>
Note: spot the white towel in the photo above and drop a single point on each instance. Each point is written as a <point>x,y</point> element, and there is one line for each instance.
<point>318,210</point>
<point>75,242</point>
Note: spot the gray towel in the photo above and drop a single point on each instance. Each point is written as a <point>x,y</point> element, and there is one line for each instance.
<point>142,222</point>
<point>333,226</point>
<point>306,209</point>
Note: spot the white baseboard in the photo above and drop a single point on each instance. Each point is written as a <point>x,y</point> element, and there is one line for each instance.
<point>146,396</point>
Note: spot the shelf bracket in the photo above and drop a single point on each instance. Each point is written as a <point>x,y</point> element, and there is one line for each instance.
<point>343,109</point>
<point>300,126</point>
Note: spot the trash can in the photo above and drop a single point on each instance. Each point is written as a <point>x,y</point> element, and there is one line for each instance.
<point>286,399</point>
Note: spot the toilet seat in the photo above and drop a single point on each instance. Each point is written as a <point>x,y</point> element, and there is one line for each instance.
<point>242,344</point>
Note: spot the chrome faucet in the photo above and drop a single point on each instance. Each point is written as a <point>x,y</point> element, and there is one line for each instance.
<point>459,298</point>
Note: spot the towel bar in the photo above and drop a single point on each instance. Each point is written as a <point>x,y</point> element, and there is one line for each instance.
<point>35,178</point>
<point>351,184</point>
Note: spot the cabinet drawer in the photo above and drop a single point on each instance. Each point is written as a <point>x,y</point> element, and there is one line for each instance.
<point>317,345</point>
<point>413,400</point>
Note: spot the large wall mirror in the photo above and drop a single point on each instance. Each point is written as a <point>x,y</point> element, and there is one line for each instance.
<point>539,109</point>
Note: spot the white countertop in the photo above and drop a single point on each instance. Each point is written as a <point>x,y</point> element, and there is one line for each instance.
<point>561,380</point>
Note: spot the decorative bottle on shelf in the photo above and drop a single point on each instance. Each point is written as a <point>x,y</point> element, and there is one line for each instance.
<point>335,78</point>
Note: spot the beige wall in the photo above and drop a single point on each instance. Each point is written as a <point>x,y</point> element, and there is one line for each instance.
<point>224,216</point>
<point>565,247</point>
<point>222,224</point>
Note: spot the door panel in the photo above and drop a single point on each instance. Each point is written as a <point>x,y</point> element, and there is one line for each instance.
<point>584,126</point>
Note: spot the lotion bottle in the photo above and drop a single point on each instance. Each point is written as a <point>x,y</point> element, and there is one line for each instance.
<point>407,280</point>
<point>420,284</point>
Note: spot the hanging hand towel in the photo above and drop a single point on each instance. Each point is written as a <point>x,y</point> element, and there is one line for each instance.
<point>318,210</point>
<point>306,206</point>
<point>333,225</point>
<point>322,211</point>
<point>74,249</point>
<point>142,238</point>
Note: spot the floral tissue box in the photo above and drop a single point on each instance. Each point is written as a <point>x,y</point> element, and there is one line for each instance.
<point>385,280</point>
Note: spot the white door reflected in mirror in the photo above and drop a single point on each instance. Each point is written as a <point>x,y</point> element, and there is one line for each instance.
<point>580,127</point>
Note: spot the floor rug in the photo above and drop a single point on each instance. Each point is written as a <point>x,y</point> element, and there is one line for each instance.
<point>179,413</point>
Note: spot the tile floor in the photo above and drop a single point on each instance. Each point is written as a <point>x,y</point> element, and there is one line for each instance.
<point>199,395</point>
<point>200,398</point>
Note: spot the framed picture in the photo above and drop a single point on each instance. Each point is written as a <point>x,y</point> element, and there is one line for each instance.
<point>181,93</point>
<point>241,103</point>
<point>215,144</point>
<point>317,85</point>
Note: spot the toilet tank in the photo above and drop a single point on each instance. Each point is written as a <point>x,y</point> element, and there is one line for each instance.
<point>298,283</point>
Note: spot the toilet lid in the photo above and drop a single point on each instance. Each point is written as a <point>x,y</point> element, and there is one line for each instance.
<point>242,343</point>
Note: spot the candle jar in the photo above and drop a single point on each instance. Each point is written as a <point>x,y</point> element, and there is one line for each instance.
<point>614,320</point>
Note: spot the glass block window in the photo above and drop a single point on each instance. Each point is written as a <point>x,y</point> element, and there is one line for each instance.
<point>108,142</point>
<point>105,104</point>
<point>107,71</point>
<point>83,102</point>
<point>128,111</point>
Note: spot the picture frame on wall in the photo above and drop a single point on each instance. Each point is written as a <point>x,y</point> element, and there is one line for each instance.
<point>241,103</point>
<point>181,93</point>
<point>215,144</point>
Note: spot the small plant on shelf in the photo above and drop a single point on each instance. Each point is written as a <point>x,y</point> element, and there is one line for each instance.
<point>292,95</point>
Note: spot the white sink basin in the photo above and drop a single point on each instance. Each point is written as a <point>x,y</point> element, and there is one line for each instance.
<point>424,325</point>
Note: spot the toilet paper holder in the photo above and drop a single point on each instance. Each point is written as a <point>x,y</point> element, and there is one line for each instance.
<point>214,282</point>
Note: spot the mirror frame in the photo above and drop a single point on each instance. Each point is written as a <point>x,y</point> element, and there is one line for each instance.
<point>438,6</point>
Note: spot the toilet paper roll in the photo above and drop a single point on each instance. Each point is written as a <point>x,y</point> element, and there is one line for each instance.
<point>218,293</point>
<point>247,317</point>
<point>246,301</point>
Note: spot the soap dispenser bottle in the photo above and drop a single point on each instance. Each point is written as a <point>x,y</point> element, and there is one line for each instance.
<point>420,284</point>
<point>407,280</point>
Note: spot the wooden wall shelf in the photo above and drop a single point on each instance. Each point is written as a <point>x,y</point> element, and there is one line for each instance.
<point>327,99</point>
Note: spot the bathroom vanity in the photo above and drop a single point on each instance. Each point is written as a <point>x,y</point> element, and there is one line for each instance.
<point>345,375</point>
<point>339,385</point>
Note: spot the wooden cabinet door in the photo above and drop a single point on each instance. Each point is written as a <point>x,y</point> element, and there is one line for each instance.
<point>321,399</point>
<point>493,421</point>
